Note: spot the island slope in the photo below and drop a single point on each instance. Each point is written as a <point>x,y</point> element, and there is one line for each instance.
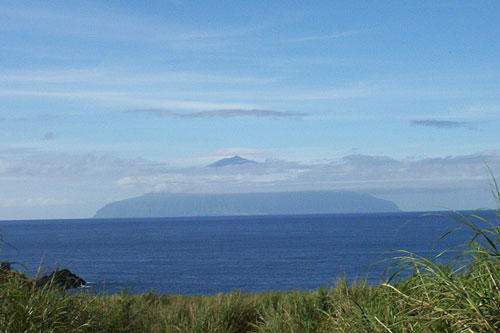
<point>272,203</point>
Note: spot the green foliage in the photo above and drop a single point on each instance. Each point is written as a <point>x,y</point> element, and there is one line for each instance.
<point>424,302</point>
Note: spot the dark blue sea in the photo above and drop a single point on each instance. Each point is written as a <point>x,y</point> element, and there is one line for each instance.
<point>219,254</point>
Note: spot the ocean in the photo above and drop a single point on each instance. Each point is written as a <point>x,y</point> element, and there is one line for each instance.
<point>209,255</point>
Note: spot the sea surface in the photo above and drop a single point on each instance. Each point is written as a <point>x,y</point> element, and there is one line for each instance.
<point>209,255</point>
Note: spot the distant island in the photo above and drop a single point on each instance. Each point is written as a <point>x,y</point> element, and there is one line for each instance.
<point>268,203</point>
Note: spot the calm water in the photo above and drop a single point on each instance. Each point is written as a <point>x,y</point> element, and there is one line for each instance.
<point>210,255</point>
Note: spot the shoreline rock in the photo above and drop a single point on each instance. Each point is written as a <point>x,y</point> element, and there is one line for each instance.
<point>62,278</point>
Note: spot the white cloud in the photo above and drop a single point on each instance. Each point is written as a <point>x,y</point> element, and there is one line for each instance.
<point>484,111</point>
<point>353,172</point>
<point>6,166</point>
<point>325,37</point>
<point>361,172</point>
<point>115,76</point>
<point>125,98</point>
<point>200,91</point>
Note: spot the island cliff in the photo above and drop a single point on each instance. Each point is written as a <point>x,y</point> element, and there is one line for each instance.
<point>271,203</point>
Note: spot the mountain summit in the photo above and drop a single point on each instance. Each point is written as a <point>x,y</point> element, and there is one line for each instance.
<point>235,160</point>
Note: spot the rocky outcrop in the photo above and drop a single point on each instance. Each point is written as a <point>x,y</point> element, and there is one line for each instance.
<point>63,278</point>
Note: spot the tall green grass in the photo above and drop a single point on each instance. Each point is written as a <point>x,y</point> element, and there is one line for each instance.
<point>462,295</point>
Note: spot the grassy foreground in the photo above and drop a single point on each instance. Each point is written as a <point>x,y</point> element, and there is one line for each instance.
<point>461,296</point>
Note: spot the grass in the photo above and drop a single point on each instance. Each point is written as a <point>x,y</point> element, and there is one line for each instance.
<point>462,295</point>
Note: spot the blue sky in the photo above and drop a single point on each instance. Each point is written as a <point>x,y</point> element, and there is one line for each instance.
<point>104,100</point>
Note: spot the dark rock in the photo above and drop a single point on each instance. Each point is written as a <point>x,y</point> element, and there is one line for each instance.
<point>5,266</point>
<point>63,278</point>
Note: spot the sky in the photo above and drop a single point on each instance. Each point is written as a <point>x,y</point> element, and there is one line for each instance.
<point>107,100</point>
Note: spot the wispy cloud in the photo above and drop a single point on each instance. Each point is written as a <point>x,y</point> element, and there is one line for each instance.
<point>442,123</point>
<point>118,76</point>
<point>126,97</point>
<point>40,164</point>
<point>481,111</point>
<point>225,113</point>
<point>325,37</point>
<point>119,25</point>
<point>199,91</point>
